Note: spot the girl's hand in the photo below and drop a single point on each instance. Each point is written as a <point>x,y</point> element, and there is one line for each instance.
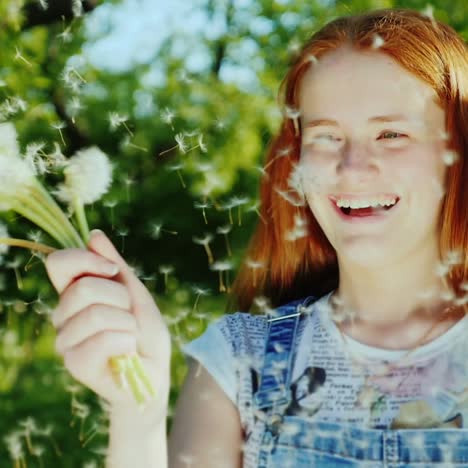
<point>102,315</point>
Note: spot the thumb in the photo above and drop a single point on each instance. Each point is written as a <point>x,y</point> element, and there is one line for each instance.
<point>100,244</point>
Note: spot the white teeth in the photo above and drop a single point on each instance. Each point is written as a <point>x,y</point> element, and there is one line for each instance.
<point>374,202</point>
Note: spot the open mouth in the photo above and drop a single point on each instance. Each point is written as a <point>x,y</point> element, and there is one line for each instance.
<point>368,211</point>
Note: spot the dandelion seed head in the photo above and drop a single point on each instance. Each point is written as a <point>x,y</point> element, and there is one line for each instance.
<point>8,140</point>
<point>88,176</point>
<point>15,172</point>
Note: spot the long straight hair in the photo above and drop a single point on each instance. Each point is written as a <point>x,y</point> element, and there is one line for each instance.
<point>430,50</point>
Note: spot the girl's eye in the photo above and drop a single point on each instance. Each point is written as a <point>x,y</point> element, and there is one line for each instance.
<point>392,133</point>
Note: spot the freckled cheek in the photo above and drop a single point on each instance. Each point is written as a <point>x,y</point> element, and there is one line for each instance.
<point>316,176</point>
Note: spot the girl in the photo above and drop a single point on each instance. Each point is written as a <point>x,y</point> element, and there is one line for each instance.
<point>359,356</point>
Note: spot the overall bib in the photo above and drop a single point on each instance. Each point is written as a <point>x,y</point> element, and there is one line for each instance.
<point>299,442</point>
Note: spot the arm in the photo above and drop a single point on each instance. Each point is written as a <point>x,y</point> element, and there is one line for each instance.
<point>135,443</point>
<point>206,425</point>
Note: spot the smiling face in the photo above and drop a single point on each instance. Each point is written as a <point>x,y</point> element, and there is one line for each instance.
<point>369,129</point>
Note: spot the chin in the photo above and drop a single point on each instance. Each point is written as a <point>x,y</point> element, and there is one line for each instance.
<point>366,255</point>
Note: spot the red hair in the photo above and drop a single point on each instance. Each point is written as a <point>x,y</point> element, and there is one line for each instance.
<point>431,51</point>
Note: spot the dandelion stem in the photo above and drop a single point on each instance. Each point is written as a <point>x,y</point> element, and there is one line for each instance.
<point>222,288</point>
<point>209,253</point>
<point>228,247</point>
<point>140,371</point>
<point>239,221</point>
<point>57,211</point>
<point>35,213</point>
<point>204,216</point>
<point>181,178</point>
<point>81,218</point>
<point>26,244</point>
<point>230,216</point>
<point>133,381</point>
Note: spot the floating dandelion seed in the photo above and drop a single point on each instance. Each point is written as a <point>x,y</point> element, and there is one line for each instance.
<point>201,144</point>
<point>222,266</point>
<point>177,167</point>
<point>19,56</point>
<point>66,35</point>
<point>255,207</point>
<point>116,120</point>
<point>428,11</point>
<point>202,206</point>
<point>299,230</point>
<point>199,292</point>
<point>127,142</point>
<point>377,41</point>
<point>294,115</point>
<point>311,58</point>
<point>236,202</point>
<point>180,140</point>
<point>59,126</point>
<point>167,116</point>
<point>281,153</point>
<point>166,270</point>
<point>205,241</point>
<point>225,230</point>
<point>220,124</point>
<point>254,266</point>
<point>111,204</point>
<point>128,181</point>
<point>123,232</point>
<point>77,8</point>
<point>450,157</point>
<point>74,107</point>
<point>290,197</point>
<point>204,166</point>
<point>156,229</point>
<point>38,451</point>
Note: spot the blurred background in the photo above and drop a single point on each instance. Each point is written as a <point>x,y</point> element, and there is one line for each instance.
<point>182,98</point>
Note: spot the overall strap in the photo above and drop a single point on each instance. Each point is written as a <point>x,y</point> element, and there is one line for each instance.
<point>275,377</point>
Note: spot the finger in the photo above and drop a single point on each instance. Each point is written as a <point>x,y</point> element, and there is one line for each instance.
<point>87,291</point>
<point>66,265</point>
<point>141,299</point>
<point>94,319</point>
<point>89,360</point>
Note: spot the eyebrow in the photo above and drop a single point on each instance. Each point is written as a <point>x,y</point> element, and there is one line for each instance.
<point>377,118</point>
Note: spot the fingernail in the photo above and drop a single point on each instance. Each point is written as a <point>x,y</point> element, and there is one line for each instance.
<point>95,231</point>
<point>110,269</point>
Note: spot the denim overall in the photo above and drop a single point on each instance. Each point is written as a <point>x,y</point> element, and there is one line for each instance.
<point>296,441</point>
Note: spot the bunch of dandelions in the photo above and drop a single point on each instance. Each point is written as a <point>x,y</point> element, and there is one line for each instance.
<point>88,176</point>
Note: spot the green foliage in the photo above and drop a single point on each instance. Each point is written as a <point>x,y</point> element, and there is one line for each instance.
<point>154,207</point>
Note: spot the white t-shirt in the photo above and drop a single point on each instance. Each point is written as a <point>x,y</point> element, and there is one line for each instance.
<point>430,389</point>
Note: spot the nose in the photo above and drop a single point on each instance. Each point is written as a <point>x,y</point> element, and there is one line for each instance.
<point>355,157</point>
